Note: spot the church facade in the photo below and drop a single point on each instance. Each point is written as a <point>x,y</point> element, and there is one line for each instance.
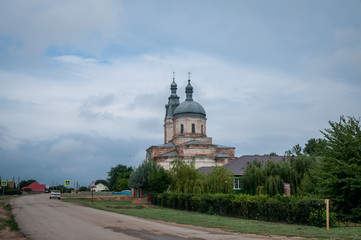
<point>185,135</point>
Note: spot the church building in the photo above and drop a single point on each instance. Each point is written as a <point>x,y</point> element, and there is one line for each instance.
<point>185,135</point>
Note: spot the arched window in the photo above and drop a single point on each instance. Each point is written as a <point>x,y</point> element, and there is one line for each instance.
<point>202,129</point>
<point>182,128</point>
<point>193,128</point>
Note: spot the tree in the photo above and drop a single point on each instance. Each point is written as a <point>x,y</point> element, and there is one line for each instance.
<point>219,180</point>
<point>119,170</point>
<point>253,177</point>
<point>184,177</point>
<point>315,147</point>
<point>340,169</point>
<point>25,183</point>
<point>121,183</point>
<point>159,179</point>
<point>102,181</point>
<point>296,149</point>
<point>84,189</point>
<point>139,178</point>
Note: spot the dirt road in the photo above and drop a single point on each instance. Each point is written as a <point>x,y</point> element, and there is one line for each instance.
<point>42,218</point>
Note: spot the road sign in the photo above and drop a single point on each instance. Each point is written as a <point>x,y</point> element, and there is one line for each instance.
<point>67,183</point>
<point>4,183</point>
<point>92,185</point>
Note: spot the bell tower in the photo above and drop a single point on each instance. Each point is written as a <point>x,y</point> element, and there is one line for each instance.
<point>173,103</point>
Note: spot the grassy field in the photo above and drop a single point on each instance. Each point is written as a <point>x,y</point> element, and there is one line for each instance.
<point>225,223</point>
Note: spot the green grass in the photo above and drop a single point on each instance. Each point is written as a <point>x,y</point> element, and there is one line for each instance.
<point>224,223</point>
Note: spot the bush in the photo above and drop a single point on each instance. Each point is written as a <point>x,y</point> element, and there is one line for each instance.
<point>261,207</point>
<point>320,221</point>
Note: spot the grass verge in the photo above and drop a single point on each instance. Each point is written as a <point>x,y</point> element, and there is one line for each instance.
<point>6,218</point>
<point>225,223</point>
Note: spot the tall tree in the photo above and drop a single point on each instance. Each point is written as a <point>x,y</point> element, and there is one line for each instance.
<point>315,147</point>
<point>159,179</point>
<point>121,171</point>
<point>219,180</point>
<point>340,170</point>
<point>184,177</point>
<point>25,183</point>
<point>139,178</point>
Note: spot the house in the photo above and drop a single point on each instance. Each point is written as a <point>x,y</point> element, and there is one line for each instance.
<point>100,187</point>
<point>239,165</point>
<point>35,187</point>
<point>185,135</point>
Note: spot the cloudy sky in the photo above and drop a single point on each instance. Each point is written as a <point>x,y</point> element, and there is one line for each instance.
<point>83,84</point>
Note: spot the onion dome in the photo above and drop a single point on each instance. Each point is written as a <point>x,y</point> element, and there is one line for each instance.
<point>189,107</point>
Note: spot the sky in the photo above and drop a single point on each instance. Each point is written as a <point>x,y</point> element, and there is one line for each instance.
<point>83,84</point>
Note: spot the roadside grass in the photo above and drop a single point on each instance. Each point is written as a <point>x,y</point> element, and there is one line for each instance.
<point>225,223</point>
<point>4,221</point>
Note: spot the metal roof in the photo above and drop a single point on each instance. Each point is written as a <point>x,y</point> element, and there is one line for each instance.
<point>195,142</point>
<point>170,154</point>
<point>239,165</point>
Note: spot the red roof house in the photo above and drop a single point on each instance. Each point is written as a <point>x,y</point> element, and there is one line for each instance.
<point>35,187</point>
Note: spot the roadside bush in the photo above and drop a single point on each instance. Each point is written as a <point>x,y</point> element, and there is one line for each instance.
<point>314,218</point>
<point>260,207</point>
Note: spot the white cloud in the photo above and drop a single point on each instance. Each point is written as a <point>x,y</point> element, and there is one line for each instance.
<point>82,25</point>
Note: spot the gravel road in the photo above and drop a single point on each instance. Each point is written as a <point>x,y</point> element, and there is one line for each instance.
<point>42,218</point>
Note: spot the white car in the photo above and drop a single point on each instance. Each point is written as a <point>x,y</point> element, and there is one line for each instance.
<point>55,194</point>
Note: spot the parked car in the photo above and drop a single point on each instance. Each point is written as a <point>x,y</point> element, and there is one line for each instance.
<point>54,194</point>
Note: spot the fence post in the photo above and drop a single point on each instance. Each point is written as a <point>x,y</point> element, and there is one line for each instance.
<point>327,214</point>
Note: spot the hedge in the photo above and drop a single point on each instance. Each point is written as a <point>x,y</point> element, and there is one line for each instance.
<point>261,207</point>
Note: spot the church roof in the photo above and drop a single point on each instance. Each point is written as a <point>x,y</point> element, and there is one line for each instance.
<point>170,144</point>
<point>189,107</point>
<point>170,154</point>
<point>195,142</point>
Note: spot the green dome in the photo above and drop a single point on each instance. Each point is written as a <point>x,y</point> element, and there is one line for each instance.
<point>189,108</point>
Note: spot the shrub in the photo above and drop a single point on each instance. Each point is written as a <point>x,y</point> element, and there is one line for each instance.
<point>261,207</point>
<point>314,218</point>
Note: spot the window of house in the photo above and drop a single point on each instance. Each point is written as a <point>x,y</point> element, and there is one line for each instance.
<point>193,128</point>
<point>182,128</point>
<point>236,184</point>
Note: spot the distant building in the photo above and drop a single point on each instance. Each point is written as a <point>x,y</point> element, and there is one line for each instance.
<point>239,165</point>
<point>185,135</point>
<point>35,187</point>
<point>11,184</point>
<point>100,187</point>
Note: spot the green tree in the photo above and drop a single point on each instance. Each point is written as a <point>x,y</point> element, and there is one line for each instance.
<point>25,183</point>
<point>159,179</point>
<point>139,178</point>
<point>102,181</point>
<point>219,180</point>
<point>315,147</point>
<point>340,169</point>
<point>184,177</point>
<point>84,189</point>
<point>253,177</point>
<point>296,149</point>
<point>119,170</point>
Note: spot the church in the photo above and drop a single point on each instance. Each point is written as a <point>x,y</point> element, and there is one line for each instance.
<point>185,135</point>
